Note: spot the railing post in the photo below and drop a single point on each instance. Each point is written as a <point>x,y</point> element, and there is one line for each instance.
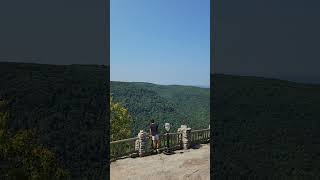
<point>141,143</point>
<point>185,136</point>
<point>209,134</point>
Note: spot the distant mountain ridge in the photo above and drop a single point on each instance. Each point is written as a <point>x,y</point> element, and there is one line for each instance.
<point>202,86</point>
<point>175,104</point>
<point>294,79</point>
<point>139,82</point>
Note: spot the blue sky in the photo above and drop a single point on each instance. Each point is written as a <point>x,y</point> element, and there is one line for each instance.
<point>160,41</point>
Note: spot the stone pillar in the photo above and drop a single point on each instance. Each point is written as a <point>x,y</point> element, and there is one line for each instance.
<point>186,136</point>
<point>137,145</point>
<point>141,143</point>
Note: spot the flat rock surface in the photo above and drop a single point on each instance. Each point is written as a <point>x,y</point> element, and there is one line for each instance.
<point>192,164</point>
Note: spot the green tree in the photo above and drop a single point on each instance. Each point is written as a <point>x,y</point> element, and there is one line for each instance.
<point>21,157</point>
<point>120,121</point>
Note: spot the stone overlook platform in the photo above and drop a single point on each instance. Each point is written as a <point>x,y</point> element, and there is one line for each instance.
<point>190,164</point>
<point>189,161</point>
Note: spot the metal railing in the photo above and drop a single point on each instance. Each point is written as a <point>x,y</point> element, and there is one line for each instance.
<point>200,136</point>
<point>122,148</point>
<point>126,147</point>
<point>174,141</point>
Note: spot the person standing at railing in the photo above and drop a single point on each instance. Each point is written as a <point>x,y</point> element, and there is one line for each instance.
<point>154,135</point>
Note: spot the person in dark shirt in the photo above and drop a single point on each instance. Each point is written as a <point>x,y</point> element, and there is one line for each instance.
<point>155,135</point>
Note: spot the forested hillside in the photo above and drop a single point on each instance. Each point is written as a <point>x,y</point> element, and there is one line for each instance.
<point>66,107</point>
<point>174,104</point>
<point>265,128</point>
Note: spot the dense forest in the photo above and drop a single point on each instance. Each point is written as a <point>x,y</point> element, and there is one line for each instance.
<point>22,157</point>
<point>65,107</point>
<point>164,103</point>
<point>265,128</point>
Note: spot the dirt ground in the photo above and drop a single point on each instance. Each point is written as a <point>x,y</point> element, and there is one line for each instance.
<point>192,164</point>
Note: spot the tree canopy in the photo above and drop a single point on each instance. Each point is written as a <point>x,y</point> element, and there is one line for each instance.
<point>22,157</point>
<point>66,107</point>
<point>120,121</point>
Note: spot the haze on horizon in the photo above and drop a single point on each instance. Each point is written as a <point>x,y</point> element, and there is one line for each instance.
<point>162,42</point>
<point>194,85</point>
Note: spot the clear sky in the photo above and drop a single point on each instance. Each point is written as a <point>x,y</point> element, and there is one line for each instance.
<point>160,41</point>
